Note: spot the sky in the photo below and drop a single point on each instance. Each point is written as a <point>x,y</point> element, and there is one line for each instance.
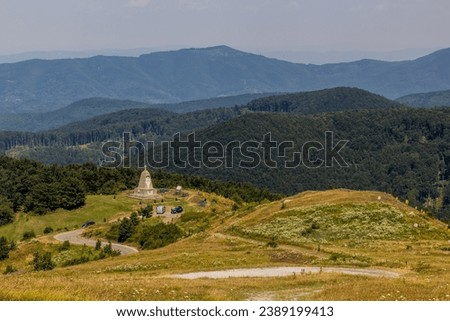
<point>262,26</point>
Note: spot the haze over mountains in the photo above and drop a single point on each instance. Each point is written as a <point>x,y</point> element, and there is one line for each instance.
<point>435,98</point>
<point>190,74</point>
<point>104,114</point>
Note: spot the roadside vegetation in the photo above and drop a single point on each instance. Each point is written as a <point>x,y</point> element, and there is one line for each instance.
<point>420,255</point>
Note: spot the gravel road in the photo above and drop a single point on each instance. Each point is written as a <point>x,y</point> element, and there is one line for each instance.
<point>282,271</point>
<point>75,237</point>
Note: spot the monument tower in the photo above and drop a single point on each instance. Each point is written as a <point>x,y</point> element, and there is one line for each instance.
<point>145,188</point>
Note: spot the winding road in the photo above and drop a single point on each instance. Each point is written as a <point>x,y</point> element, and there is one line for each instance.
<point>75,237</point>
<point>282,271</point>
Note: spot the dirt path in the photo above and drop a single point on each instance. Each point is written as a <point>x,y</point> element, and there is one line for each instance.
<point>75,237</point>
<point>283,271</point>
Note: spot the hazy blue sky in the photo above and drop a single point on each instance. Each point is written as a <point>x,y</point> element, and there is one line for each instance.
<point>257,25</point>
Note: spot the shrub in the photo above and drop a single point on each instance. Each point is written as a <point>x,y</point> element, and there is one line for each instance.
<point>4,248</point>
<point>113,233</point>
<point>98,245</point>
<point>6,213</point>
<point>421,266</point>
<point>10,269</point>
<point>134,218</point>
<point>159,235</point>
<point>273,242</point>
<point>48,230</point>
<point>75,261</point>
<point>146,212</point>
<point>43,262</point>
<point>108,250</point>
<point>28,235</point>
<point>65,246</point>
<point>126,229</point>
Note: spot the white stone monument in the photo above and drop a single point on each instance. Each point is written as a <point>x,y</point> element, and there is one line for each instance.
<point>145,188</point>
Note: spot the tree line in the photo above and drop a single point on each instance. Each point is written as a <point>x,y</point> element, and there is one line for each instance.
<point>37,188</point>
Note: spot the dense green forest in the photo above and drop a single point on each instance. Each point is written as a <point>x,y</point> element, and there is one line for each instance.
<point>157,124</point>
<point>33,187</point>
<point>405,152</point>
<point>326,100</point>
<point>143,123</point>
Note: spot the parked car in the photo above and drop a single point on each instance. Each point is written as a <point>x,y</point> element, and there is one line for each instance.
<point>176,210</point>
<point>87,223</point>
<point>160,209</point>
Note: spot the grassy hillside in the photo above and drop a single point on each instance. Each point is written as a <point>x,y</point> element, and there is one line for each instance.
<point>421,260</point>
<point>343,216</point>
<point>98,208</point>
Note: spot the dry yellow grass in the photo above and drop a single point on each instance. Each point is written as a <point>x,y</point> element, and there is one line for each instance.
<point>423,263</point>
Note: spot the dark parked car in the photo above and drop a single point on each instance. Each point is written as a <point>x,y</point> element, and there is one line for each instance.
<point>176,210</point>
<point>87,223</point>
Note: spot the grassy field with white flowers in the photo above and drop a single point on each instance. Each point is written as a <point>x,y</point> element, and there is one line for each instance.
<point>342,228</point>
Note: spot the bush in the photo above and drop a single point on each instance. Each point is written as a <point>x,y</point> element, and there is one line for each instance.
<point>28,235</point>
<point>65,246</point>
<point>75,261</point>
<point>4,248</point>
<point>98,245</point>
<point>48,230</point>
<point>126,229</point>
<point>272,243</point>
<point>43,262</point>
<point>159,235</point>
<point>146,212</point>
<point>6,213</point>
<point>10,269</point>
<point>108,250</point>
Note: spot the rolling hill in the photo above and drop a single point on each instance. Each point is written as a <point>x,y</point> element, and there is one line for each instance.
<point>77,111</point>
<point>431,99</point>
<point>190,74</point>
<point>88,108</point>
<point>408,243</point>
<point>402,151</point>
<point>321,101</point>
<point>162,121</point>
<point>338,215</point>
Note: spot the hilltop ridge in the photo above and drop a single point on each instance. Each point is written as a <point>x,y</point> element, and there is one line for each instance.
<point>191,74</point>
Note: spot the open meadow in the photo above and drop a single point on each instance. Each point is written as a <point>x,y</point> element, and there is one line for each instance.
<point>336,228</point>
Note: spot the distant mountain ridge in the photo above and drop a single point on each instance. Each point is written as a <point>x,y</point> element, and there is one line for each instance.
<point>191,74</point>
<point>431,99</point>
